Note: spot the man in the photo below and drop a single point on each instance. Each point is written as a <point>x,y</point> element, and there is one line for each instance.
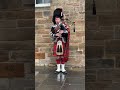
<point>60,34</point>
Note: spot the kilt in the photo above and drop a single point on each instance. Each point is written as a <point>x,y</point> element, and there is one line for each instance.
<point>65,48</point>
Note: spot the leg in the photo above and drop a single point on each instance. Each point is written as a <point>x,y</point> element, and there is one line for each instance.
<point>58,65</point>
<point>63,65</point>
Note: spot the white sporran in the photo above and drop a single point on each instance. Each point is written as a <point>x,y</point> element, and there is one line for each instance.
<point>59,48</point>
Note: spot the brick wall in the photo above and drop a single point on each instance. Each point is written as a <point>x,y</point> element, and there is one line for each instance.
<point>102,45</point>
<point>73,10</point>
<point>16,44</point>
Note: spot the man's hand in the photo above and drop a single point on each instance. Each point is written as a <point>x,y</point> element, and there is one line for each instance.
<point>61,31</point>
<point>58,34</point>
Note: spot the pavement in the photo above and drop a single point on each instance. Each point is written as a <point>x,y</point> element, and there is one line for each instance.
<point>46,79</point>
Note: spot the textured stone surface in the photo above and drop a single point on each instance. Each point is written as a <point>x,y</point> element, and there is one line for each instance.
<point>74,10</point>
<point>11,70</point>
<point>39,55</point>
<point>102,45</point>
<point>17,47</point>
<point>94,51</point>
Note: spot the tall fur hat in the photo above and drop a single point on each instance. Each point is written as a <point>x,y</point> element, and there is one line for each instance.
<point>58,12</point>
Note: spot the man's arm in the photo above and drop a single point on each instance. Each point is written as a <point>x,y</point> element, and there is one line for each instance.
<point>64,29</point>
<point>53,33</point>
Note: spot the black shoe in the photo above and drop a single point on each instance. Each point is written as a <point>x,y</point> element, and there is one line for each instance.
<point>56,72</point>
<point>65,72</point>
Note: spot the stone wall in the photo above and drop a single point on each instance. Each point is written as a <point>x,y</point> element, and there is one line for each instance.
<point>74,11</point>
<point>17,45</point>
<point>102,45</point>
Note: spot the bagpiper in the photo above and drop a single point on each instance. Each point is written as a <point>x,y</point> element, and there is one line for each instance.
<point>60,33</point>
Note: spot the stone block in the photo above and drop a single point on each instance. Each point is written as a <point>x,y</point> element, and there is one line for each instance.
<point>94,51</point>
<point>99,35</point>
<point>25,23</point>
<point>90,78</point>
<point>117,32</point>
<point>109,20</point>
<point>94,42</point>
<point>25,14</point>
<point>38,15</point>
<point>7,23</point>
<point>105,75</point>
<point>106,6</point>
<point>4,83</point>
<point>11,70</point>
<point>22,54</point>
<point>4,55</point>
<point>17,45</point>
<point>99,63</point>
<point>39,55</point>
<point>17,34</point>
<point>112,47</point>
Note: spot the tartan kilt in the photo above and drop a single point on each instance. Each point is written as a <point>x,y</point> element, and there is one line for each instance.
<point>65,48</point>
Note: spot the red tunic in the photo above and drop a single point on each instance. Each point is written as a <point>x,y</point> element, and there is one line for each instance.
<point>65,46</point>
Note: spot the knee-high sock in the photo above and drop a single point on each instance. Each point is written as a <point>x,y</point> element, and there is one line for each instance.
<point>63,67</point>
<point>58,68</point>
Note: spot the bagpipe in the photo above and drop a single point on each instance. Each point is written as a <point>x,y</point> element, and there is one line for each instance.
<point>61,45</point>
<point>59,40</point>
